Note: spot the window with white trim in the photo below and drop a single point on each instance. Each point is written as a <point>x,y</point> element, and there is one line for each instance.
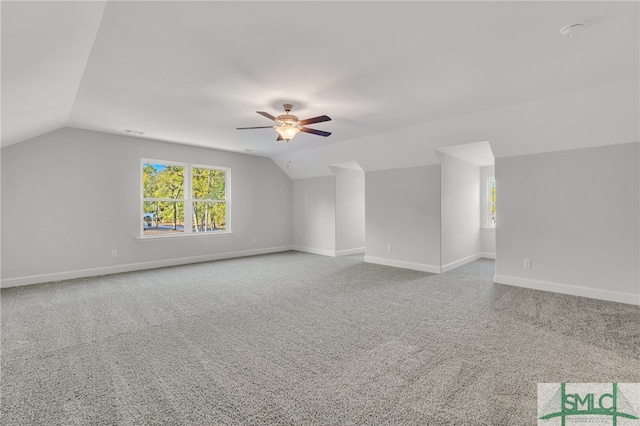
<point>182,198</point>
<point>491,202</point>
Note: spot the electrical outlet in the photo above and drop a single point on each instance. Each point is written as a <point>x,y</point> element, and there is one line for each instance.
<point>527,264</point>
<point>114,253</point>
<point>389,247</point>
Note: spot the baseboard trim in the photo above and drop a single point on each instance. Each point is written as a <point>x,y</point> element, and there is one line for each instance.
<point>313,250</point>
<point>350,251</point>
<point>83,273</point>
<point>574,290</point>
<point>487,255</point>
<point>402,264</point>
<point>458,263</point>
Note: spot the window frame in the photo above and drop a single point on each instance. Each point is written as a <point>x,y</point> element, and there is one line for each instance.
<point>488,204</point>
<point>187,199</point>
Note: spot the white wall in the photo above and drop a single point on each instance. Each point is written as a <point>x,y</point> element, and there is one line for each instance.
<point>72,196</point>
<point>488,234</point>
<point>403,211</point>
<point>461,212</point>
<point>314,215</point>
<point>576,215</point>
<point>350,210</point>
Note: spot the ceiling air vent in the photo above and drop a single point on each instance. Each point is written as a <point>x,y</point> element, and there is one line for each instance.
<point>134,132</point>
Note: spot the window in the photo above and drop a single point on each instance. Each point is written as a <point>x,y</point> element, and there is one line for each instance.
<point>491,202</point>
<point>179,198</point>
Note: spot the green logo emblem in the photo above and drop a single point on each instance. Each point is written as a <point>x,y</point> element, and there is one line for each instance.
<point>586,401</point>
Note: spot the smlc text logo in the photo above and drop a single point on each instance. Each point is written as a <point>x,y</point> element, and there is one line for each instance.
<point>563,404</point>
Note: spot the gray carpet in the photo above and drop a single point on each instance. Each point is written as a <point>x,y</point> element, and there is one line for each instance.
<point>295,338</point>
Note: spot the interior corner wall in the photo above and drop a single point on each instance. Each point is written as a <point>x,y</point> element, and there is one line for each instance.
<point>403,214</point>
<point>461,212</point>
<point>350,211</point>
<point>314,215</point>
<point>576,216</point>
<point>488,234</point>
<point>71,196</point>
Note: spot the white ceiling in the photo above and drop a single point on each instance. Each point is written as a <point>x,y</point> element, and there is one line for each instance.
<point>45,47</point>
<point>478,153</point>
<point>191,72</point>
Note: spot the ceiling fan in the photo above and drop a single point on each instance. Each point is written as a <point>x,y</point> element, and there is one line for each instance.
<point>288,125</point>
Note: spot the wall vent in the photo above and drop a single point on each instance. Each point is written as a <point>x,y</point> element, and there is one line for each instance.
<point>134,132</point>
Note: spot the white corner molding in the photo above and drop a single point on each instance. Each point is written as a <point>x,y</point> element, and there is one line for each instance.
<point>350,251</point>
<point>461,262</point>
<point>313,250</point>
<point>83,273</point>
<point>487,255</point>
<point>574,290</point>
<point>402,264</point>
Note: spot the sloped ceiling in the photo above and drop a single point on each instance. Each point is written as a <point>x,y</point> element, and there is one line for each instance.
<point>478,153</point>
<point>45,47</point>
<point>191,72</point>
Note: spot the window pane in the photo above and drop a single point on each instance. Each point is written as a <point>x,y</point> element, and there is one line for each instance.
<point>208,217</point>
<point>208,184</point>
<point>163,217</point>
<point>162,180</point>
<point>149,180</point>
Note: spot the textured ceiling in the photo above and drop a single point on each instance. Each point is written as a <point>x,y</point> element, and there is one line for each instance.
<point>191,72</point>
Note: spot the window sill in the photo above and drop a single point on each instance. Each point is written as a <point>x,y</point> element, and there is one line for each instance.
<point>181,236</point>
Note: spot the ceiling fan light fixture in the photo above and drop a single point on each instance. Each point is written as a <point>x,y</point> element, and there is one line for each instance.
<point>289,125</point>
<point>287,131</point>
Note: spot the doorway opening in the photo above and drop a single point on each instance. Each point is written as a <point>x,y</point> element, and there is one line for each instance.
<point>468,202</point>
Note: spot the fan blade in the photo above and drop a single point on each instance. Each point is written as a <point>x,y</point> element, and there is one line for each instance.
<point>266,114</point>
<point>314,131</point>
<point>318,119</point>
<point>280,138</point>
<point>260,127</point>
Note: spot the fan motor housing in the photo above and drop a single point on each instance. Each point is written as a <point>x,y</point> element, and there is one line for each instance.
<point>287,119</point>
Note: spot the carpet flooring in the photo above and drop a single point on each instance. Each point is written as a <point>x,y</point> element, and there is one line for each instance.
<point>299,339</point>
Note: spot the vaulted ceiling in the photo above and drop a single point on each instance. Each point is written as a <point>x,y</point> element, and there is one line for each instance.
<point>191,72</point>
